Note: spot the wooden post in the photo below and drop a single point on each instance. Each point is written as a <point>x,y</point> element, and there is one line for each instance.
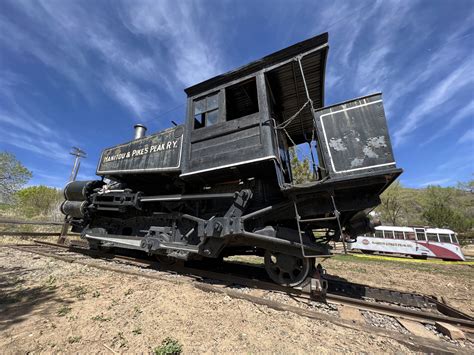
<point>64,229</point>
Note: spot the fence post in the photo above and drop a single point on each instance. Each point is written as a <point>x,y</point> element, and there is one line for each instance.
<point>62,238</point>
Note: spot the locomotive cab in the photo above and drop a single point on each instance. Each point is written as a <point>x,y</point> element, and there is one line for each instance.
<point>252,116</point>
<point>242,120</point>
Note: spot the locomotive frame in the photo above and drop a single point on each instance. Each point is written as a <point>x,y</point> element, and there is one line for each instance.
<point>221,184</point>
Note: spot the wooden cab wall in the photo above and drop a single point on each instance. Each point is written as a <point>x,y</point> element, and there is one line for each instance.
<point>228,129</point>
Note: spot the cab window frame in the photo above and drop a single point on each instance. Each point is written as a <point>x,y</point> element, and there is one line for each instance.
<point>204,108</point>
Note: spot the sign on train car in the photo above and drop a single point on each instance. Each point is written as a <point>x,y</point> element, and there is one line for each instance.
<point>355,137</point>
<point>157,152</point>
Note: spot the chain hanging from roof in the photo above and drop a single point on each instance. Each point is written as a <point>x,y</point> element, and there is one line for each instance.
<point>285,124</point>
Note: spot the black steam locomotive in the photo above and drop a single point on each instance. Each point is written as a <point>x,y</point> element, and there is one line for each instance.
<point>221,184</point>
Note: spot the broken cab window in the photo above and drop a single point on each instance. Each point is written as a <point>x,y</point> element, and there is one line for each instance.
<point>241,99</point>
<point>206,111</point>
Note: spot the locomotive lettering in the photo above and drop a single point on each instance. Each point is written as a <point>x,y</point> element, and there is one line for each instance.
<point>160,151</point>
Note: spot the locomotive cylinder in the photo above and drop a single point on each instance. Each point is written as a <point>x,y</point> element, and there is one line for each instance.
<point>75,209</point>
<point>79,190</point>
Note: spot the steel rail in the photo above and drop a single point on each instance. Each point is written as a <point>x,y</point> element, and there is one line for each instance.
<point>39,223</point>
<point>401,312</point>
<point>381,308</point>
<point>34,234</point>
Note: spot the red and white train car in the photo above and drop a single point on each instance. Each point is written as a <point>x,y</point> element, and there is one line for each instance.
<point>417,242</point>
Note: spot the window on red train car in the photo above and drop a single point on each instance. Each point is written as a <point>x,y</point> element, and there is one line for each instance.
<point>410,236</point>
<point>420,236</point>
<point>444,238</point>
<point>455,238</point>
<point>378,234</point>
<point>388,234</point>
<point>399,235</point>
<point>432,237</point>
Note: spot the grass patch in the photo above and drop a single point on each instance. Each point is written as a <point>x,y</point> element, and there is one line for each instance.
<point>101,318</point>
<point>50,283</point>
<point>136,311</point>
<point>113,304</point>
<point>169,346</point>
<point>137,331</point>
<point>75,339</point>
<point>63,311</point>
<point>79,292</point>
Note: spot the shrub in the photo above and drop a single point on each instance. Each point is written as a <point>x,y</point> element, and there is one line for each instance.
<point>169,346</point>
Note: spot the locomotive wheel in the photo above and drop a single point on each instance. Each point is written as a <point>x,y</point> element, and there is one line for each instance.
<point>287,270</point>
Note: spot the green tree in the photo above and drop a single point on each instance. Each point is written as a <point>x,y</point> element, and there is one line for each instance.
<point>443,208</point>
<point>13,175</point>
<point>466,186</point>
<point>393,204</point>
<point>301,170</point>
<point>38,200</point>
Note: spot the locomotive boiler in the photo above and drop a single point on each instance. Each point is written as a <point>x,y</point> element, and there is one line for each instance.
<point>221,184</point>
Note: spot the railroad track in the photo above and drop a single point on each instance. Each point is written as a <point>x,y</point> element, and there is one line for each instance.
<point>405,307</point>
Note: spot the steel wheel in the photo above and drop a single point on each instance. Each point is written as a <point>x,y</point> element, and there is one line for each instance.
<point>287,270</point>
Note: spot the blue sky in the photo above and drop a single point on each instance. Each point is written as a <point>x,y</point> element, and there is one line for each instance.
<point>82,73</point>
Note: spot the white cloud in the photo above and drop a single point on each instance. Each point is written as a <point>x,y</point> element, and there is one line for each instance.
<point>80,44</point>
<point>437,182</point>
<point>442,92</point>
<point>17,118</point>
<point>467,137</point>
<point>142,104</point>
<point>453,120</point>
<point>374,25</point>
<point>147,45</point>
<point>194,53</point>
<point>48,148</point>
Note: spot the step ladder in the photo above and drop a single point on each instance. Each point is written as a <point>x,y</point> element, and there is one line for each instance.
<point>300,220</point>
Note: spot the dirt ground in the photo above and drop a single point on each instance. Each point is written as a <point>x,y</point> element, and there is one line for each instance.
<point>48,306</point>
<point>468,250</point>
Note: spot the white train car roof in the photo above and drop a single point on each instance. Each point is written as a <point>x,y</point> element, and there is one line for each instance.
<point>411,229</point>
<point>439,230</point>
<point>394,228</point>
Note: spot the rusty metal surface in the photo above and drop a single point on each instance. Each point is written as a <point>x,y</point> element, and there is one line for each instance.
<point>354,137</point>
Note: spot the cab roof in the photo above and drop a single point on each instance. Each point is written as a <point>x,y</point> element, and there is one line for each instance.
<point>284,77</point>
